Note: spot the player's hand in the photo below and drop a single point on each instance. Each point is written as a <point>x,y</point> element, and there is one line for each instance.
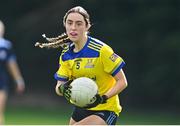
<point>64,89</point>
<point>20,88</point>
<point>99,100</point>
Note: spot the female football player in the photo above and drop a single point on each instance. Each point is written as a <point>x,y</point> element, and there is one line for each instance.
<point>7,60</point>
<point>85,56</point>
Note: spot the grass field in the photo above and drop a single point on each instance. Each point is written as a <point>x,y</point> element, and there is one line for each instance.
<point>60,116</point>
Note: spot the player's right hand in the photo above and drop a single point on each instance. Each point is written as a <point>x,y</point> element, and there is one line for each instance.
<point>64,89</point>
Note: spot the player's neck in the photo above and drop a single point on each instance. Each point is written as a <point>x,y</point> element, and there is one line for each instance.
<point>80,44</point>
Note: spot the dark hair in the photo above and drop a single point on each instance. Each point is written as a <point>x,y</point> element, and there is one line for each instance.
<point>63,40</point>
<point>80,10</point>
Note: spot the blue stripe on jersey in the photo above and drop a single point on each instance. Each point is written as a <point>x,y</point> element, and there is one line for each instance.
<point>118,69</point>
<point>60,78</point>
<point>86,52</point>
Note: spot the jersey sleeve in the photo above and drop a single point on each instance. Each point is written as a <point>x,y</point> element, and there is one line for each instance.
<point>112,63</point>
<point>7,51</point>
<point>63,72</point>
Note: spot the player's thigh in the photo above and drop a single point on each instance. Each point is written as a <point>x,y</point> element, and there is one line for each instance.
<point>3,97</point>
<point>91,120</point>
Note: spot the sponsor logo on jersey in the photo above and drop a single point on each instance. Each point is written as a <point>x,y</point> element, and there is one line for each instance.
<point>113,57</point>
<point>89,64</point>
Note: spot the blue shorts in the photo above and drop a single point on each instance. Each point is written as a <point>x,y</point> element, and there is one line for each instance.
<point>3,86</point>
<point>108,116</point>
<point>3,83</point>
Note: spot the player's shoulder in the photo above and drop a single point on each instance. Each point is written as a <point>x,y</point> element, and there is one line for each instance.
<point>65,54</point>
<point>4,43</point>
<point>98,44</point>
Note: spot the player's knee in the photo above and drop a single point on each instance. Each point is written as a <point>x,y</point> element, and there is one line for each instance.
<point>72,122</point>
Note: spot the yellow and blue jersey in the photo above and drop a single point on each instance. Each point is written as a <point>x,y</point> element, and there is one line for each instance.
<point>97,61</point>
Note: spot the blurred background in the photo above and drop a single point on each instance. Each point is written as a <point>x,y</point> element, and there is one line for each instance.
<point>145,33</point>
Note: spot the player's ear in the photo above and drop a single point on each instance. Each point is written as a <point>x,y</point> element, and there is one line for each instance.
<point>88,27</point>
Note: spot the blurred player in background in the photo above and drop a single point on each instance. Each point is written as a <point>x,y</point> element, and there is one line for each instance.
<point>7,63</point>
<point>86,56</point>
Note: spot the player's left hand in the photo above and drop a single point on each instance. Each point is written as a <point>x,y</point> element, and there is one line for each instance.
<point>99,100</point>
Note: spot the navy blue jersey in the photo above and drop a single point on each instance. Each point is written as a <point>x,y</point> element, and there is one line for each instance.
<point>6,55</point>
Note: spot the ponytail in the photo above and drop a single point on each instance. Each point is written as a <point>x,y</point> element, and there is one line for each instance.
<point>59,41</point>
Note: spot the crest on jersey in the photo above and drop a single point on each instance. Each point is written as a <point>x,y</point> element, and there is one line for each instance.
<point>89,64</point>
<point>113,57</point>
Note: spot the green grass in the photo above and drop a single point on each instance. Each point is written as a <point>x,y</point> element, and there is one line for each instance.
<point>38,116</point>
<point>60,116</point>
<point>149,118</point>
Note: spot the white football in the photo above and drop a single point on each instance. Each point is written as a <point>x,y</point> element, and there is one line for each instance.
<point>83,91</point>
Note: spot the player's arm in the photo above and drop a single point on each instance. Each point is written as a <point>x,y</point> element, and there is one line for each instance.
<point>121,84</point>
<point>114,67</point>
<point>16,74</point>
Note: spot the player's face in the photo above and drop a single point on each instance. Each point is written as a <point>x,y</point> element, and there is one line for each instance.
<point>76,27</point>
